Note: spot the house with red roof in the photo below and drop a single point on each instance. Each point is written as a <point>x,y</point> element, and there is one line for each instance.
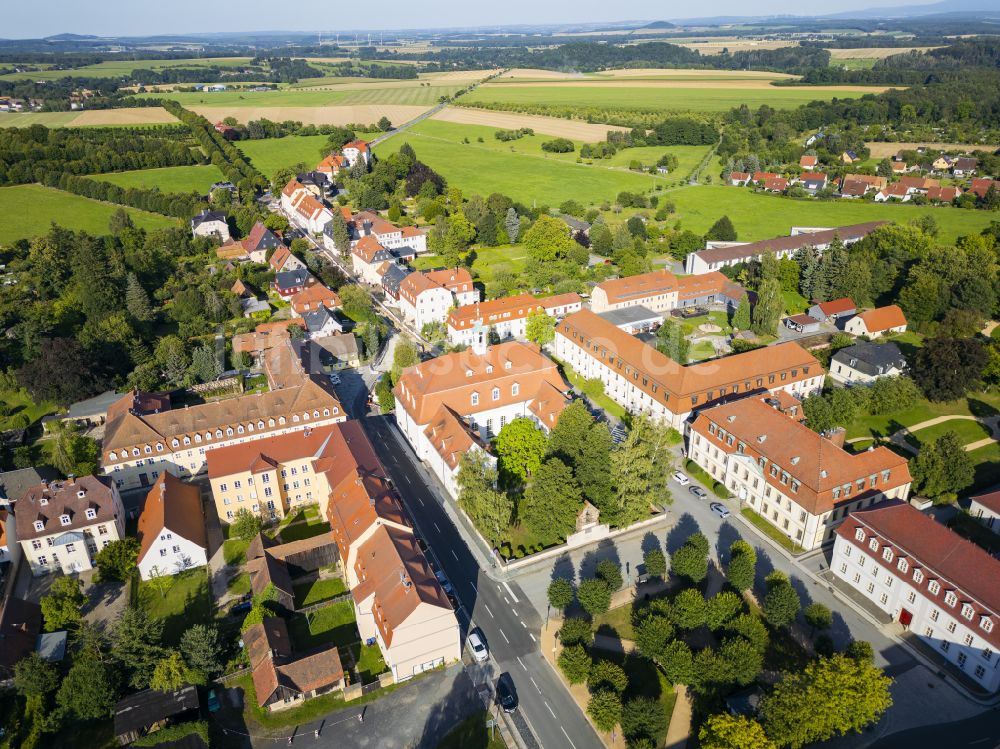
<point>833,309</point>
<point>739,179</point>
<point>876,322</point>
<point>895,191</point>
<point>426,296</point>
<point>808,162</point>
<point>283,260</point>
<point>356,149</point>
<point>171,531</point>
<point>944,194</point>
<point>775,184</point>
<point>986,509</point>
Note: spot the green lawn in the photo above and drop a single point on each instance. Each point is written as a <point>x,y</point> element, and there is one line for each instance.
<point>617,621</point>
<point>484,260</point>
<point>332,625</point>
<point>306,594</point>
<point>168,179</point>
<point>761,216</point>
<point>967,431</point>
<point>406,93</point>
<point>307,529</point>
<point>599,398</point>
<point>369,663</point>
<point>28,210</point>
<point>770,531</point>
<point>472,733</point>
<point>624,96</point>
<point>523,175</point>
<point>184,600</point>
<point>27,119</point>
<point>234,551</point>
<point>987,460</point>
<point>19,402</point>
<point>240,584</point>
<point>701,350</point>
<point>977,404</point>
<point>271,154</point>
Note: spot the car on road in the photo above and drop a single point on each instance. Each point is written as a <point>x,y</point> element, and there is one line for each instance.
<point>453,601</point>
<point>719,509</point>
<point>506,693</point>
<point>422,544</point>
<point>213,702</point>
<point>697,491</point>
<point>478,646</point>
<point>680,478</point>
<point>443,581</point>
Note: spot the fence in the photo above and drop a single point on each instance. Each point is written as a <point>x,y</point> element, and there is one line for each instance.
<point>328,602</point>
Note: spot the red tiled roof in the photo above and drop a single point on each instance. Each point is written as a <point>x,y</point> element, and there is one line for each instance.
<point>292,187</point>
<point>991,500</point>
<point>883,318</point>
<point>560,300</point>
<point>777,184</point>
<point>494,311</point>
<point>808,160</point>
<point>367,247</point>
<point>944,194</point>
<point>175,506</point>
<point>49,501</point>
<point>837,306</point>
<point>763,176</point>
<point>741,176</point>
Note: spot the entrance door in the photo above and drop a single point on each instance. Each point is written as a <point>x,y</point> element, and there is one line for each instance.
<point>143,481</point>
<point>905,617</point>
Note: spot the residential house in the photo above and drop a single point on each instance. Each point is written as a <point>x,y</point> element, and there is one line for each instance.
<point>393,278</point>
<point>895,191</point>
<point>662,291</point>
<point>944,194</point>
<point>331,165</point>
<point>282,260</point>
<point>560,305</point>
<point>388,235</point>
<point>226,131</point>
<point>502,319</point>
<point>899,167</point>
<point>303,209</point>
<point>61,525</point>
<point>20,626</point>
<point>871,181</point>
<point>762,177</point>
<point>232,250</point>
<point>289,283</point>
<point>370,259</point>
<point>964,166</point>
<point>986,509</point>
<point>801,482</point>
<point>853,189</point>
<point>315,182</point>
<point>714,258</point>
<point>982,185</point>
<point>150,710</point>
<point>313,297</point>
<point>210,224</point>
<point>259,241</point>
<point>775,184</point>
<point>808,162</point>
<point>448,405</point>
<point>254,307</point>
<point>935,584</point>
<point>918,185</point>
<point>812,183</point>
<point>739,179</point>
<point>942,163</point>
<point>802,323</point>
<point>321,322</point>
<point>877,322</point>
<point>833,310</point>
<point>577,227</point>
<point>642,380</point>
<point>865,362</point>
<point>356,149</point>
<point>13,484</point>
<point>10,550</point>
<point>171,531</point>
<point>282,680</point>
<point>339,350</point>
<point>849,157</point>
<point>426,296</point>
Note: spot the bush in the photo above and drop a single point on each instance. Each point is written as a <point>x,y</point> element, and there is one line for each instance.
<point>575,663</point>
<point>558,145</point>
<point>576,631</point>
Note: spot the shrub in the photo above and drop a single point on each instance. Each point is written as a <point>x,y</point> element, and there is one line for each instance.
<point>575,664</point>
<point>576,631</point>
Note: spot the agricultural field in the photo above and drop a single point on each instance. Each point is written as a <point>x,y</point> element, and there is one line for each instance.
<point>872,53</point>
<point>527,75</point>
<point>28,210</point>
<point>882,150</point>
<point>271,154</point>
<point>666,95</point>
<point>126,117</point>
<point>557,126</point>
<point>364,114</point>
<point>761,216</point>
<point>116,68</point>
<point>372,91</point>
<point>168,179</point>
<point>519,168</point>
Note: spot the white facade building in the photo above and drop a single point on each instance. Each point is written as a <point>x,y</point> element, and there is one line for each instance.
<point>171,530</point>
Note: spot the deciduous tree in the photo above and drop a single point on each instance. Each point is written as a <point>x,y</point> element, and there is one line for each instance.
<point>540,328</point>
<point>691,560</point>
<point>781,602</point>
<point>89,690</point>
<point>742,565</point>
<point>607,675</point>
<point>605,708</point>
<point>594,595</point>
<point>639,468</point>
<point>246,525</point>
<point>62,604</point>
<point>576,631</point>
<point>688,609</point>
<point>547,240</point>
<point>725,731</point>
<point>722,608</point>
<point>552,501</point>
<point>574,662</point>
<point>117,559</point>
<point>519,447</point>
<point>643,718</point>
<point>561,593</point>
<point>656,563</point>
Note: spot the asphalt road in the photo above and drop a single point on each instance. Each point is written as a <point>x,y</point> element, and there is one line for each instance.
<point>501,611</point>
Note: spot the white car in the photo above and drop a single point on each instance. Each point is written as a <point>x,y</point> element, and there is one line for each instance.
<point>478,647</point>
<point>681,479</point>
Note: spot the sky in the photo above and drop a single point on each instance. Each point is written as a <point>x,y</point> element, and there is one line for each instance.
<point>21,20</point>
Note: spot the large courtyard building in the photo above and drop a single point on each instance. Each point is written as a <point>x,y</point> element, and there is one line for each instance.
<point>801,482</point>
<point>662,291</point>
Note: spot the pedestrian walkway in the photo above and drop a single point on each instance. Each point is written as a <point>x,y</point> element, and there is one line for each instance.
<point>679,729</point>
<point>992,423</point>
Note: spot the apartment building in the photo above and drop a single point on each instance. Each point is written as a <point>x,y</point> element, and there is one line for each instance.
<point>385,233</point>
<point>940,587</point>
<point>426,296</point>
<point>506,318</point>
<point>662,291</point>
<point>642,380</point>
<point>801,482</point>
<point>61,525</point>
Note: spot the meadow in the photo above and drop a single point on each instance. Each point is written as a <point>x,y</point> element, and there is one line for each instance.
<point>405,93</point>
<point>168,179</point>
<point>271,154</point>
<point>28,210</point>
<point>125,117</point>
<point>116,68</point>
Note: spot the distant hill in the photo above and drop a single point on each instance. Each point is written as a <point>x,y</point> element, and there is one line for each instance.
<point>660,25</point>
<point>71,38</point>
<point>949,7</point>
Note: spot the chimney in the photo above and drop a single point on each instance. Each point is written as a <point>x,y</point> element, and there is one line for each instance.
<point>836,436</point>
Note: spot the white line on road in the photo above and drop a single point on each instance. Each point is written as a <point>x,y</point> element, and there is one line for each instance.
<point>474,588</point>
<point>420,501</point>
<point>506,601</point>
<point>567,737</point>
<point>535,685</point>
<point>501,632</point>
<point>523,624</point>
<point>454,554</point>
<point>549,709</point>
<point>511,592</point>
<point>487,609</point>
<point>522,664</point>
<point>407,479</point>
<point>437,527</point>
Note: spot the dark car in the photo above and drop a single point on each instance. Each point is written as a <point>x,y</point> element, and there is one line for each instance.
<point>422,544</point>
<point>506,693</point>
<point>698,492</point>
<point>241,607</point>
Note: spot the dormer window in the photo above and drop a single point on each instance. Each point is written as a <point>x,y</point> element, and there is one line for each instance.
<point>887,554</point>
<point>229,431</point>
<point>489,369</point>
<point>918,576</point>
<point>873,544</point>
<point>496,394</point>
<point>468,373</point>
<point>903,565</point>
<point>218,434</point>
<point>950,598</point>
<point>506,365</point>
<point>174,442</point>
<point>39,525</point>
<point>934,587</point>
<point>81,494</point>
<point>64,519</point>
<point>475,399</point>
<point>91,513</point>
<point>967,611</point>
<point>43,501</point>
<point>281,420</point>
<point>515,389</point>
<point>147,449</point>
<point>260,424</point>
<point>159,445</point>
<point>187,440</point>
<point>986,623</point>
<point>239,429</point>
<point>135,452</point>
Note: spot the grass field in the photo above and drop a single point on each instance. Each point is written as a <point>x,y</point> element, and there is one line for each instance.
<point>19,402</point>
<point>525,173</point>
<point>977,404</point>
<point>760,216</point>
<point>707,96</point>
<point>316,591</point>
<point>413,95</point>
<point>967,431</point>
<point>168,179</point>
<point>184,600</point>
<point>271,154</point>
<point>115,68</point>
<point>125,117</point>
<point>331,625</point>
<point>28,210</point>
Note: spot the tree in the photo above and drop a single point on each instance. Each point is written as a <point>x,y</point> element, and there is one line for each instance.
<point>656,563</point>
<point>74,453</point>
<point>552,502</point>
<point>600,239</point>
<point>512,225</point>
<point>742,565</point>
<point>691,560</point>
<point>607,675</point>
<point>818,616</point>
<point>117,560</point>
<point>943,467</point>
<point>561,593</point>
<point>136,639</point>
<point>677,662</point>
<point>89,691</point>
<point>171,358</point>
<point>829,697</point>
<point>540,328</point>
<point>576,631</point>
<point>861,651</point>
<point>170,673</point>
<point>610,572</point>
<point>639,468</point>
<point>722,231</point>
<point>205,364</point>
<point>547,240</point>
<point>671,342</point>
<point>519,448</point>
<point>594,595</point>
<point>946,368</point>
<point>489,509</point>
<point>62,605</point>
<point>725,731</point>
<point>200,647</point>
<point>722,608</point>
<point>246,525</point>
<point>642,718</point>
<point>688,609</point>
<point>340,233</point>
<point>384,124</point>
<point>741,315</point>
<point>574,662</point>
<point>781,602</point>
<point>752,629</point>
<point>653,634</point>
<point>605,707</point>
<point>137,301</point>
<point>35,676</point>
<point>62,372</point>
<point>769,307</point>
<point>741,660</point>
<point>586,447</point>
<point>404,355</point>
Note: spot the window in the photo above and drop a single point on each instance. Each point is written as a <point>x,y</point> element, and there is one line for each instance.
<point>176,549</point>
<point>64,519</point>
<point>223,487</point>
<point>903,565</point>
<point>39,525</point>
<point>847,551</point>
<point>858,534</point>
<point>102,530</point>
<point>238,484</point>
<point>887,554</point>
<point>515,389</point>
<point>861,561</point>
<point>42,560</point>
<point>962,658</point>
<point>884,599</point>
<point>987,654</point>
<point>986,623</point>
<point>934,615</point>
<point>968,640</point>
<point>91,513</point>
<point>871,587</point>
<point>934,587</point>
<point>475,399</point>
<point>873,544</point>
<point>950,598</point>
<point>843,568</point>
<point>951,627</point>
<point>857,577</point>
<point>980,672</point>
<point>163,552</point>
<point>912,597</point>
<point>36,544</point>
<point>945,645</point>
<point>967,611</point>
<point>918,576</point>
<point>929,632</point>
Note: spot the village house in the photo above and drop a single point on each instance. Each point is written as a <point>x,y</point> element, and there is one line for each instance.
<point>808,162</point>
<point>775,184</point>
<point>934,583</point>
<point>642,380</point>
<point>739,179</point>
<point>408,239</point>
<point>944,194</point>
<point>662,291</point>
<point>986,509</point>
<point>964,166</point>
<point>331,165</point>
<point>714,258</point>
<point>918,185</point>
<point>356,149</point>
<point>338,351</point>
<point>61,525</point>
<point>801,482</point>
<point>171,530</point>
<point>316,183</point>
<point>282,260</point>
<point>303,208</point>
<point>370,260</point>
<point>894,191</point>
<point>812,182</point>
<point>865,362</point>
<point>321,322</point>
<point>877,322</point>
<point>853,189</point>
<point>762,177</point>
<point>312,298</point>
<point>899,167</point>
<point>942,163</point>
<point>833,310</point>
<point>210,224</point>
<point>289,283</point>
<point>982,185</point>
<point>259,241</point>
<point>871,182</point>
<point>849,157</point>
<point>426,296</point>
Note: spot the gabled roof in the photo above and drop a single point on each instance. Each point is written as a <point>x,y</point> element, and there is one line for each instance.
<point>207,217</point>
<point>174,506</point>
<point>288,279</point>
<point>789,243</point>
<point>141,710</point>
<point>369,249</point>
<point>292,187</point>
<point>20,624</point>
<point>776,184</point>
<point>871,358</point>
<point>50,502</point>
<point>837,306</point>
<point>990,501</point>
<point>315,294</point>
<point>493,311</point>
<point>450,436</point>
<point>883,318</point>
<point>317,319</point>
<point>15,483</point>
<point>807,160</point>
<point>260,238</point>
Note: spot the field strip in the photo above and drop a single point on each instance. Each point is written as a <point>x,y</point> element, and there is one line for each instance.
<point>696,84</point>
<point>866,53</point>
<point>665,73</point>
<point>329,115</point>
<point>881,150</point>
<point>132,116</point>
<point>573,129</point>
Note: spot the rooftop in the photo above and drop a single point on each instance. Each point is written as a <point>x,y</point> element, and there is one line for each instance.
<point>790,243</point>
<point>883,318</point>
<point>174,506</point>
<point>64,506</point>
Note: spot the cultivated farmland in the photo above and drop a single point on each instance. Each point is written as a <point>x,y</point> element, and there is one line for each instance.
<point>90,118</point>
<point>197,178</point>
<point>117,68</point>
<point>572,129</point>
<point>363,114</point>
<point>329,95</point>
<point>28,210</point>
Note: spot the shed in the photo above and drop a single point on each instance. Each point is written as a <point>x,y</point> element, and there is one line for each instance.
<point>632,320</point>
<point>802,323</point>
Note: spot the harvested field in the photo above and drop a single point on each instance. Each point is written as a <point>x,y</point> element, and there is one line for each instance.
<point>456,76</point>
<point>729,84</point>
<point>873,52</point>
<point>716,47</point>
<point>882,150</point>
<point>360,113</point>
<point>680,74</point>
<point>572,129</point>
<point>134,116</point>
<point>532,73</point>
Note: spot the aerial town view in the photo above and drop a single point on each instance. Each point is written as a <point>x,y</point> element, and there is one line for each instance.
<point>523,376</point>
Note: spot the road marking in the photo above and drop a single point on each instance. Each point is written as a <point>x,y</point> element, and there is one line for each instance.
<point>532,637</point>
<point>511,592</point>
<point>407,479</point>
<point>523,624</point>
<point>437,527</point>
<point>549,709</point>
<point>474,588</point>
<point>567,737</point>
<point>506,601</point>
<point>522,664</point>
<point>501,632</point>
<point>454,554</point>
<point>535,685</point>
<point>487,609</point>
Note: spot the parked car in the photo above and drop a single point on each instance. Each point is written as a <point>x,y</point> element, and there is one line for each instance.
<point>453,601</point>
<point>335,379</point>
<point>506,693</point>
<point>213,701</point>
<point>681,479</point>
<point>478,647</point>
<point>422,544</point>
<point>443,581</point>
<point>719,509</point>
<point>697,491</point>
<point>241,607</point>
